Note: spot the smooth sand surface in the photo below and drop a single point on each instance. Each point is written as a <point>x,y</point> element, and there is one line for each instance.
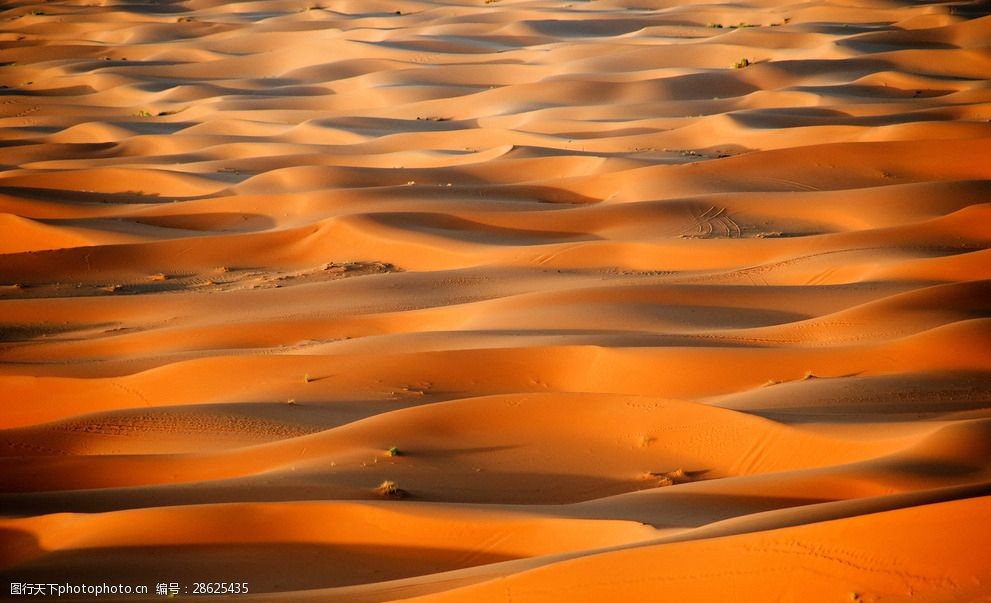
<point>653,300</point>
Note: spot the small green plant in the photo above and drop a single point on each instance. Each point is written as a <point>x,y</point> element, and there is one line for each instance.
<point>393,451</point>
<point>744,62</point>
<point>143,113</point>
<point>307,378</point>
<point>715,25</point>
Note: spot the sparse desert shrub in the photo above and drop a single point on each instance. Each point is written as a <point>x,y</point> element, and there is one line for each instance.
<point>391,489</point>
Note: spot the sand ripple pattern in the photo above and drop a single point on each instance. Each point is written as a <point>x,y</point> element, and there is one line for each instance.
<point>505,300</point>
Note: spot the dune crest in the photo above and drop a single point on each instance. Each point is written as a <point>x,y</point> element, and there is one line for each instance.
<point>506,300</point>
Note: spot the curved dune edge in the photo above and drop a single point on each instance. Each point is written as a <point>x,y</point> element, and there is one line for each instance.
<point>836,559</point>
<point>521,300</point>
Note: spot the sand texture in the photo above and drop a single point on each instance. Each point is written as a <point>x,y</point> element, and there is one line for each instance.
<point>507,301</point>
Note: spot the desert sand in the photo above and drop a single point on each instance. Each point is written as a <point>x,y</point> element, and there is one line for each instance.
<point>506,301</point>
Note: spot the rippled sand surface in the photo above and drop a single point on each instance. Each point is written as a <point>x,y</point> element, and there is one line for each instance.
<point>525,301</point>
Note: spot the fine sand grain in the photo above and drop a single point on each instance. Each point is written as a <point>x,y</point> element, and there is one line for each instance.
<point>497,301</point>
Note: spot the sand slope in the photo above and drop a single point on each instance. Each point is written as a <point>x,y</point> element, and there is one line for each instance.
<point>654,300</point>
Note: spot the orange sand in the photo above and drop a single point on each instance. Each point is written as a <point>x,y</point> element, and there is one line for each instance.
<point>645,321</point>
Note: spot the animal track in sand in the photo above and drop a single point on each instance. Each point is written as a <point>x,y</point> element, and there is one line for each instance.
<point>712,223</point>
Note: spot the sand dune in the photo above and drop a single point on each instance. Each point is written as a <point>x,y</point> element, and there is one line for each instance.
<point>517,300</point>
